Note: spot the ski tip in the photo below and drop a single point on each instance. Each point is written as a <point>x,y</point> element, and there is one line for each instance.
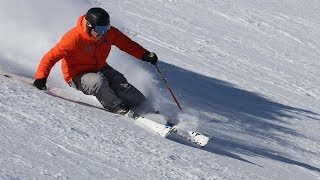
<point>204,143</point>
<point>202,140</point>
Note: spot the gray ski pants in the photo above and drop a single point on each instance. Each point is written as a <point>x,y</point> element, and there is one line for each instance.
<point>110,88</point>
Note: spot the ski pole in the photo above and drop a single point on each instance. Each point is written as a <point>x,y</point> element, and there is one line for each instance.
<point>165,81</point>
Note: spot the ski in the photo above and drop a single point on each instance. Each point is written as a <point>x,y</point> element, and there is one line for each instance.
<point>166,130</point>
<point>192,136</point>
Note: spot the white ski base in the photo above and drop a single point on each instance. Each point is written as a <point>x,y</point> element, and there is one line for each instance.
<point>158,128</point>
<point>192,136</point>
<point>164,131</point>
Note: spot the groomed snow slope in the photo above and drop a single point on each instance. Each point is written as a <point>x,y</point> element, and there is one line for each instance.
<point>245,72</point>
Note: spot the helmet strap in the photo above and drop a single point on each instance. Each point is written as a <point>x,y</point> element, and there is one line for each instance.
<point>89,27</point>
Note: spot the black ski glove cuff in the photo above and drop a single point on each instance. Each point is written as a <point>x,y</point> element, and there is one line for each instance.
<point>150,57</point>
<point>40,83</point>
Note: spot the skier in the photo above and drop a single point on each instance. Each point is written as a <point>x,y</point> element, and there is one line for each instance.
<point>84,50</point>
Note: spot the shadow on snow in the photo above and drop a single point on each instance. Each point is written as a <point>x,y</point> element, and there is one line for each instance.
<point>253,114</point>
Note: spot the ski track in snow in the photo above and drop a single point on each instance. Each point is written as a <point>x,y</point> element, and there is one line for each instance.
<point>245,73</point>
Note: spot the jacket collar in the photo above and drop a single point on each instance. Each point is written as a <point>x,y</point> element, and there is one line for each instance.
<point>82,29</point>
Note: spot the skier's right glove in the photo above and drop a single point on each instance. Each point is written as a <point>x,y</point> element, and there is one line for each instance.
<point>150,57</point>
<point>40,83</point>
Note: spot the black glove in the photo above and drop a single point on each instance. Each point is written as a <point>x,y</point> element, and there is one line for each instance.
<point>150,57</point>
<point>40,83</point>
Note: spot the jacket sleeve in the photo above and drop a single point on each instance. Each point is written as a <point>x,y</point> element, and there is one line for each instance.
<point>59,51</point>
<point>127,45</point>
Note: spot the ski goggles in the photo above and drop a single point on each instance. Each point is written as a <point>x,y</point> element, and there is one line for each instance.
<point>102,29</point>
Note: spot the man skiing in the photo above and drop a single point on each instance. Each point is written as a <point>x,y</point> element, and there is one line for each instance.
<point>84,50</point>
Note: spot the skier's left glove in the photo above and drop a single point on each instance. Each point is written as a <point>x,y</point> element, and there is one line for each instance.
<point>40,83</point>
<point>150,57</point>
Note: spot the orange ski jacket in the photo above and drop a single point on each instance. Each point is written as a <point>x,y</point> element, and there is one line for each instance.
<point>81,53</point>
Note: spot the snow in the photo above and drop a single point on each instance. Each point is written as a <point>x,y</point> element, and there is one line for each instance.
<point>245,72</point>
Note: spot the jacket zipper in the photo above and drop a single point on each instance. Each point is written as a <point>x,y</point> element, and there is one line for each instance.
<point>95,55</point>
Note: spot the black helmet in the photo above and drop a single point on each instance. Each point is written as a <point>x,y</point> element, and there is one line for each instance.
<point>97,17</point>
